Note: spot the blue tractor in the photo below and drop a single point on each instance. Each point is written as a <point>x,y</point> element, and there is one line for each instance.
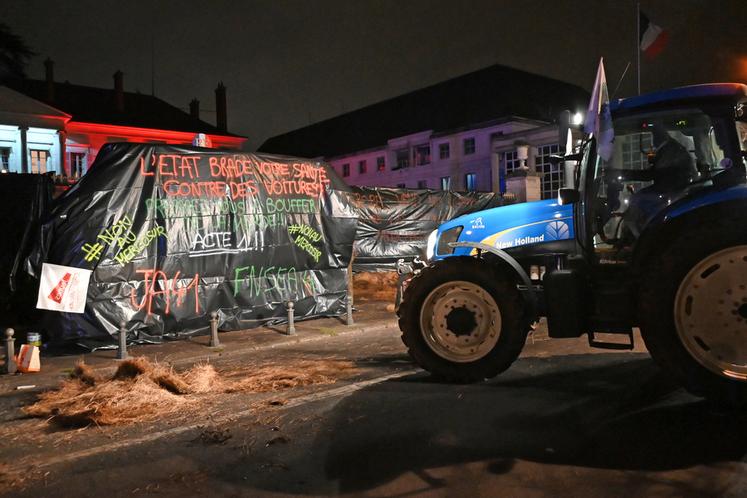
<point>654,237</point>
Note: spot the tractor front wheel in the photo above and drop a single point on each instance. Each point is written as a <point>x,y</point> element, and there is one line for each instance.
<point>463,320</point>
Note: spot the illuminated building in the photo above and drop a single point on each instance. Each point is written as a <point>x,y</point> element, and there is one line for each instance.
<point>52,127</point>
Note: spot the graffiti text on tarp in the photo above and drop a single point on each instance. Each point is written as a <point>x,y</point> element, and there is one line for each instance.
<point>214,243</point>
<point>157,283</point>
<point>229,177</point>
<point>287,282</point>
<point>304,238</point>
<point>130,252</point>
<point>118,233</point>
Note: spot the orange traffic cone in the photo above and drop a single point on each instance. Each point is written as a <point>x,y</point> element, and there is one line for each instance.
<point>28,359</point>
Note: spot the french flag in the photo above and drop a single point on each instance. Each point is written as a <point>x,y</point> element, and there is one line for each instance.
<point>652,38</point>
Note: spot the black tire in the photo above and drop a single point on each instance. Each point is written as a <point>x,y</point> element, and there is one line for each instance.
<point>661,280</point>
<point>496,283</point>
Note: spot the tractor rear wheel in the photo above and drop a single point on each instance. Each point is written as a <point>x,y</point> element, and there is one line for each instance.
<point>462,319</point>
<point>693,313</point>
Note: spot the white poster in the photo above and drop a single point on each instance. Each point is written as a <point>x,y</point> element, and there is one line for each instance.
<point>63,288</point>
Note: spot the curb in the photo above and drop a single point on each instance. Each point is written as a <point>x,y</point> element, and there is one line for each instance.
<point>301,337</point>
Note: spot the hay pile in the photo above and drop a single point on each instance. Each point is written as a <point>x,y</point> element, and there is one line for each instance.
<point>301,373</point>
<point>141,390</point>
<point>10,477</point>
<point>375,286</point>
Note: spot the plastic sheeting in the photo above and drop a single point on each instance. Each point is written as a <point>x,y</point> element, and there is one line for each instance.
<point>395,223</point>
<point>173,233</point>
<point>26,198</point>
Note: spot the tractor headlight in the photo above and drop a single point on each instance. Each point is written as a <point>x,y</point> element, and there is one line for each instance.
<point>447,237</point>
<point>430,248</point>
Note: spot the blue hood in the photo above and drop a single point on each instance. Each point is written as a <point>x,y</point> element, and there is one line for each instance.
<point>514,225</point>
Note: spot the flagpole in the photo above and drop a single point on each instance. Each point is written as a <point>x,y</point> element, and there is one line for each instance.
<point>638,42</point>
<point>614,92</point>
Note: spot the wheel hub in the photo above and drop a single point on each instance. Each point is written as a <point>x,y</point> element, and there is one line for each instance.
<point>460,321</point>
<point>711,312</point>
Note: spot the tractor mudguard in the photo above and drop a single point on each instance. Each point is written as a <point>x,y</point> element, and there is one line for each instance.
<point>682,217</point>
<point>527,291</point>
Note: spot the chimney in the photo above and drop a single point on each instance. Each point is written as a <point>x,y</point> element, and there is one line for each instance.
<point>119,91</point>
<point>49,65</point>
<point>220,108</point>
<point>194,108</point>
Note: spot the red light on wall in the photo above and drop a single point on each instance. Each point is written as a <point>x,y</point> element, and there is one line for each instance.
<point>144,135</point>
<point>96,134</point>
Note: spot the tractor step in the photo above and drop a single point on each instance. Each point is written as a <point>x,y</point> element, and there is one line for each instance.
<point>595,343</point>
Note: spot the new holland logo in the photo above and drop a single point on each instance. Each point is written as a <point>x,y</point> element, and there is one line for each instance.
<point>477,223</point>
<point>557,230</point>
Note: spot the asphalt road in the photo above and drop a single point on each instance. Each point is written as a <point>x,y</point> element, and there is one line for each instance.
<point>563,421</point>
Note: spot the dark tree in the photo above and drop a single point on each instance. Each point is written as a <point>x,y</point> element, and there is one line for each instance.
<point>14,54</point>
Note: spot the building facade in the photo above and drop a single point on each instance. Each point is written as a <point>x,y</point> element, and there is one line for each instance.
<point>471,133</point>
<point>473,159</point>
<point>52,127</point>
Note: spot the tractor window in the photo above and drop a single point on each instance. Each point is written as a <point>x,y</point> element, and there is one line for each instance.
<point>742,132</point>
<point>656,159</point>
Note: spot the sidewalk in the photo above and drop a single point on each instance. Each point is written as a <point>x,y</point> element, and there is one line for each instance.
<point>368,316</point>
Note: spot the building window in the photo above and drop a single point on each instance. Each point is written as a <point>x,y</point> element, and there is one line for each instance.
<point>511,160</point>
<point>380,163</point>
<point>362,167</point>
<point>401,185</point>
<point>345,169</point>
<point>445,183</point>
<point>469,146</point>
<point>5,158</point>
<point>77,164</point>
<point>422,184</point>
<point>470,182</point>
<point>551,174</point>
<point>634,150</point>
<point>39,160</point>
<point>403,158</point>
<point>443,151</point>
<point>422,154</point>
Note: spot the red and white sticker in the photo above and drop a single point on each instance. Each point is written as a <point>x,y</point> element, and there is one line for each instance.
<point>63,288</point>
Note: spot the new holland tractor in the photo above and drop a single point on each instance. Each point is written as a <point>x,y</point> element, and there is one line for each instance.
<point>653,237</point>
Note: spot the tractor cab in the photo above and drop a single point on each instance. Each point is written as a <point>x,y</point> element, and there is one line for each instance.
<point>675,153</point>
<point>675,156</point>
<point>668,148</point>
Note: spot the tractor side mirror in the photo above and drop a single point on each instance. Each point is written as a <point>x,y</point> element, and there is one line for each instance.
<point>568,196</point>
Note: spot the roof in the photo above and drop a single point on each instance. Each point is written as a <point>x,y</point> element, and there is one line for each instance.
<point>711,90</point>
<point>17,103</point>
<point>484,95</point>
<point>97,105</point>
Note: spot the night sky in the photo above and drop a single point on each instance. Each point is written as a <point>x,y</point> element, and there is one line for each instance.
<point>290,63</point>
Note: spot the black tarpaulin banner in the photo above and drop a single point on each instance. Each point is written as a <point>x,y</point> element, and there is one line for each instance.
<point>173,233</point>
<point>395,223</point>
